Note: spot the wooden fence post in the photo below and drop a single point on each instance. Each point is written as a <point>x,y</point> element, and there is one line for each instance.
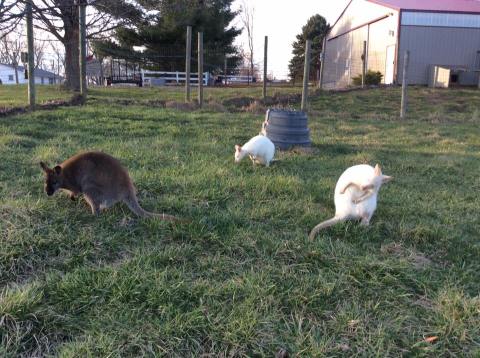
<point>306,75</point>
<point>31,56</point>
<point>265,57</point>
<point>200,69</point>
<point>403,109</point>
<point>188,60</point>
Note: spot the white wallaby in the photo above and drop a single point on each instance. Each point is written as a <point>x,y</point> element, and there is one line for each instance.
<point>263,131</point>
<point>355,195</point>
<point>260,149</point>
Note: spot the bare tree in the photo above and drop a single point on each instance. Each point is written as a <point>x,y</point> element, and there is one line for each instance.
<point>59,58</point>
<point>11,48</point>
<point>39,54</point>
<point>60,18</point>
<point>10,16</point>
<point>247,16</point>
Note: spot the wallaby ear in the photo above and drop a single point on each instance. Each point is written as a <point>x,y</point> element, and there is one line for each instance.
<point>378,170</point>
<point>238,148</point>
<point>386,179</point>
<point>57,169</point>
<point>44,166</point>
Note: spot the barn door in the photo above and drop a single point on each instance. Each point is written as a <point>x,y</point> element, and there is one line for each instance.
<point>390,65</point>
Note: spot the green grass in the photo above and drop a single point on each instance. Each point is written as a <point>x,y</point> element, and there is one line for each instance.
<point>242,279</point>
<point>17,95</point>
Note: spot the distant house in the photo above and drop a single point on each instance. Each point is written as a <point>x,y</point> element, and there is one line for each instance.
<point>42,77</point>
<point>436,32</point>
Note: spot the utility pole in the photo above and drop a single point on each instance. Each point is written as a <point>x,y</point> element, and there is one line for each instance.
<point>188,61</point>
<point>83,48</point>
<point>306,75</point>
<point>200,69</point>
<point>265,57</point>
<point>31,56</point>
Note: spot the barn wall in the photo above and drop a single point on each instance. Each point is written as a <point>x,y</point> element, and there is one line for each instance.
<point>359,12</point>
<point>432,45</point>
<point>343,58</point>
<point>382,35</point>
<point>344,49</point>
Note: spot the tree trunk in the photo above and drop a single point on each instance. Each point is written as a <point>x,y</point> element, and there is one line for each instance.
<point>251,70</point>
<point>72,53</point>
<point>15,66</point>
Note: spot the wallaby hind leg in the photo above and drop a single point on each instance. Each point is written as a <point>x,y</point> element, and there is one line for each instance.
<point>93,198</point>
<point>94,206</point>
<point>366,219</point>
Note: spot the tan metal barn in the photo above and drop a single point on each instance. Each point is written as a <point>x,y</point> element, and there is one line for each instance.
<point>436,32</point>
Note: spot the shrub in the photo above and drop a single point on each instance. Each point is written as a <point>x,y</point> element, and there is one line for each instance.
<point>371,78</point>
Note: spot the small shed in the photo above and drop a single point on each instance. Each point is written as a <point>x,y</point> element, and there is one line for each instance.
<point>436,32</point>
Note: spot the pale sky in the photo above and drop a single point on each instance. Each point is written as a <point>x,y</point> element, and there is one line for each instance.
<point>281,21</point>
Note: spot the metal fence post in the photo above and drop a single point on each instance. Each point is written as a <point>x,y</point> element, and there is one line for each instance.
<point>364,63</point>
<point>31,56</point>
<point>188,60</point>
<point>200,69</point>
<point>83,48</point>
<point>265,57</point>
<point>323,56</point>
<point>404,105</point>
<point>306,75</point>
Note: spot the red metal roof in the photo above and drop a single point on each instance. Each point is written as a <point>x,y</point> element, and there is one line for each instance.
<point>466,6</point>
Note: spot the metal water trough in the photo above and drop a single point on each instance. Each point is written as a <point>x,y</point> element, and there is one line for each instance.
<point>287,129</point>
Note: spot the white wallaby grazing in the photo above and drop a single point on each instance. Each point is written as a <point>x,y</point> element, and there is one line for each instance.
<point>355,195</point>
<point>260,149</point>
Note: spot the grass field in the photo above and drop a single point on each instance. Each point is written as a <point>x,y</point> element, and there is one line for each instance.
<point>242,279</point>
<point>17,95</point>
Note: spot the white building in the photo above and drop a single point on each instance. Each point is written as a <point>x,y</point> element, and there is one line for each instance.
<point>42,77</point>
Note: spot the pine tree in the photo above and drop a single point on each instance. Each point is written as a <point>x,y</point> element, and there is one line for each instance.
<point>163,35</point>
<point>315,29</point>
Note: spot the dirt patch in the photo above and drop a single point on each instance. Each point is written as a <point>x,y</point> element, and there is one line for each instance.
<point>417,259</point>
<point>256,107</point>
<point>424,302</point>
<point>239,102</point>
<point>215,106</point>
<point>51,104</point>
<point>182,106</point>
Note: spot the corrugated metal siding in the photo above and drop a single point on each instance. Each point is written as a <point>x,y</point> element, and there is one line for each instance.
<point>343,53</point>
<point>440,19</point>
<point>358,13</point>
<point>382,35</point>
<point>438,46</point>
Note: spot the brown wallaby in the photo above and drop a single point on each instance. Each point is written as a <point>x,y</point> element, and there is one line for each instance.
<point>100,178</point>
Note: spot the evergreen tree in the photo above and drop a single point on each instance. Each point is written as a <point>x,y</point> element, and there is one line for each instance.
<point>163,34</point>
<point>315,29</point>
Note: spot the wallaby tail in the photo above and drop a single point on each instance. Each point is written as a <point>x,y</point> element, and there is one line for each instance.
<point>133,205</point>
<point>324,225</point>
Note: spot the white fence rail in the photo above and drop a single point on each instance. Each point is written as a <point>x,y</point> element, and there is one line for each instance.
<point>232,79</point>
<point>162,78</point>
